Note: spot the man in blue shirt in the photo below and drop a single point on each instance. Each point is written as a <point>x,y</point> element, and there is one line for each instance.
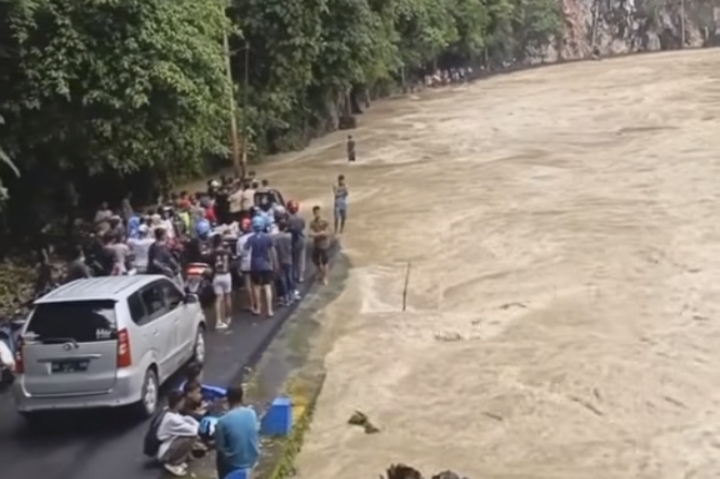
<point>263,264</point>
<point>236,436</point>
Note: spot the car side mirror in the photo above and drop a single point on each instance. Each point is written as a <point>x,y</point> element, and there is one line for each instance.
<point>191,298</point>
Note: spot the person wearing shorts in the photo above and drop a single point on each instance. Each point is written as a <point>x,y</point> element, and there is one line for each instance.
<point>263,262</point>
<point>320,233</point>
<point>245,256</point>
<point>222,282</point>
<point>340,192</point>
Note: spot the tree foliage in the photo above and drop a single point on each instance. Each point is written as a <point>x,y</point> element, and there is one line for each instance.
<point>97,86</point>
<point>306,55</point>
<point>97,92</point>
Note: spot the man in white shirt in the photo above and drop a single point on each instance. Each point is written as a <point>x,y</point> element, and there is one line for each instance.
<point>178,436</point>
<point>140,247</point>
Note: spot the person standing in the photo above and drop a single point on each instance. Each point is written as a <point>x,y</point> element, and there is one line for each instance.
<point>222,282</point>
<point>102,217</point>
<point>236,202</point>
<point>262,264</point>
<point>296,227</point>
<point>247,201</point>
<point>161,260</point>
<point>245,256</point>
<point>282,240</point>
<point>237,436</point>
<point>320,233</point>
<point>77,269</point>
<point>126,207</point>
<point>340,192</point>
<point>121,251</point>
<point>140,248</point>
<point>350,148</point>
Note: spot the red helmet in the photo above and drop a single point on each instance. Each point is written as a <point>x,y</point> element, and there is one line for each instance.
<point>293,206</point>
<point>245,224</point>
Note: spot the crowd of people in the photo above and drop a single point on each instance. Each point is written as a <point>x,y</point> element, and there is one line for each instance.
<point>199,418</point>
<point>242,229</point>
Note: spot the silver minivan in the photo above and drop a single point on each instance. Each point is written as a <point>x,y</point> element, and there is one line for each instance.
<point>106,342</point>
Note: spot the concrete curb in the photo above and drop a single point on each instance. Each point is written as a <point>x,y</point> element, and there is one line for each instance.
<point>262,346</point>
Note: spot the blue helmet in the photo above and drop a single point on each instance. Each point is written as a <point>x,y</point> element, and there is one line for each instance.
<point>134,226</point>
<point>258,223</point>
<point>202,227</point>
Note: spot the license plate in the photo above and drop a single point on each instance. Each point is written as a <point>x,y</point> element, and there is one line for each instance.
<point>70,366</point>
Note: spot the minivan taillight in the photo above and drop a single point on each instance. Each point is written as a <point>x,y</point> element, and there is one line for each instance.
<point>123,349</point>
<point>19,365</point>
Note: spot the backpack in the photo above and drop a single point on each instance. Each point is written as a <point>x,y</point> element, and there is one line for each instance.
<point>151,444</point>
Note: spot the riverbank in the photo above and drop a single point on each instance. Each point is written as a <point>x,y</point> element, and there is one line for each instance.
<point>291,366</point>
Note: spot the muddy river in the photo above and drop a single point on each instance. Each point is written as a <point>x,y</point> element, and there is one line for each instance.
<point>563,231</point>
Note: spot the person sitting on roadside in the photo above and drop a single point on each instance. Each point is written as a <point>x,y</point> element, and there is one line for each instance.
<point>193,406</point>
<point>237,436</point>
<point>178,436</point>
<point>77,269</point>
<point>140,248</point>
<point>262,264</point>
<point>320,233</point>
<point>222,282</point>
<point>194,372</point>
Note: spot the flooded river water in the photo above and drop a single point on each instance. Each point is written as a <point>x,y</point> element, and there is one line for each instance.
<point>563,230</point>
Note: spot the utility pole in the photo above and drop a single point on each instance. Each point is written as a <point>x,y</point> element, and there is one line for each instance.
<point>237,165</point>
<point>682,23</point>
<point>245,105</point>
<point>596,10</point>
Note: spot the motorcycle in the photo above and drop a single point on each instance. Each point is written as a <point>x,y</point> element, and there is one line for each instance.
<point>198,281</point>
<point>9,342</point>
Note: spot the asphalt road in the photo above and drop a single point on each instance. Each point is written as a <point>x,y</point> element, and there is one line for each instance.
<point>91,445</point>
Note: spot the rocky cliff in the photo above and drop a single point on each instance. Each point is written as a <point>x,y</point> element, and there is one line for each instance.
<point>628,26</point>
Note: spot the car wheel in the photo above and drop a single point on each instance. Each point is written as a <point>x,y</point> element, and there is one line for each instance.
<point>199,347</point>
<point>149,395</point>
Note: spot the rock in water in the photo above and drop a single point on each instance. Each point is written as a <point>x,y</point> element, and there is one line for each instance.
<point>446,475</point>
<point>360,419</point>
<point>401,471</point>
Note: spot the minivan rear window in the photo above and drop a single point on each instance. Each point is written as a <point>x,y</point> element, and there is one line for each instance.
<point>78,321</point>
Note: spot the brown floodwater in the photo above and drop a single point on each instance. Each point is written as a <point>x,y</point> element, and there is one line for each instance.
<point>563,230</point>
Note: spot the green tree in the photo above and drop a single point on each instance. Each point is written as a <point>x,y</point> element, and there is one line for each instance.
<point>97,86</point>
<point>535,24</point>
